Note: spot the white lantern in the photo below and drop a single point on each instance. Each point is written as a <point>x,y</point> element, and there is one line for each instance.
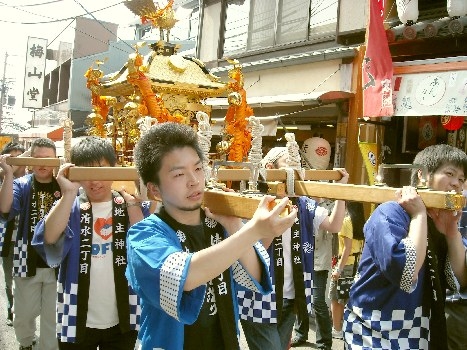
<point>317,152</point>
<point>407,10</point>
<point>457,8</point>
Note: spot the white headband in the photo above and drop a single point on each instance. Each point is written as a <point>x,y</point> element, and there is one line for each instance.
<point>273,155</point>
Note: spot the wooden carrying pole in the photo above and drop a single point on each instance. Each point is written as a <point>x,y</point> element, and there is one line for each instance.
<point>30,161</point>
<point>232,204</point>
<point>103,174</point>
<point>122,177</point>
<point>130,173</point>
<point>376,194</point>
<point>276,175</point>
<point>244,206</point>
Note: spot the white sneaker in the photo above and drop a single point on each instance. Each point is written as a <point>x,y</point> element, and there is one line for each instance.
<point>337,334</point>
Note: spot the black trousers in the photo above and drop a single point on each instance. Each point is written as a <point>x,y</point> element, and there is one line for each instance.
<point>106,339</point>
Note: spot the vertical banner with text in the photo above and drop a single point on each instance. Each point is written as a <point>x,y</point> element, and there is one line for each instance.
<point>34,73</point>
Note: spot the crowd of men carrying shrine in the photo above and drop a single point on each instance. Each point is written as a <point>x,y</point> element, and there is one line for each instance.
<point>105,269</point>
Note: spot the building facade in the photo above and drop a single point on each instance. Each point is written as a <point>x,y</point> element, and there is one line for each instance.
<point>301,61</point>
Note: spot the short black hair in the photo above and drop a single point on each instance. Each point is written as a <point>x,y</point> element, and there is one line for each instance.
<point>12,146</point>
<point>157,142</point>
<point>92,150</point>
<point>434,157</point>
<point>43,142</point>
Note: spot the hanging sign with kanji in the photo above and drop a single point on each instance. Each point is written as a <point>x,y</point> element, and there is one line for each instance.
<point>34,73</point>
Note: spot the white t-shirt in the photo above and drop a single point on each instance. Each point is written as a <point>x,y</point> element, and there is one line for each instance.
<point>323,240</point>
<point>289,289</point>
<point>102,302</point>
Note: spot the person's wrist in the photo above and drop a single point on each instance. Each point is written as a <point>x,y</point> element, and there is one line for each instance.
<point>8,172</point>
<point>133,204</point>
<point>69,191</point>
<point>420,214</point>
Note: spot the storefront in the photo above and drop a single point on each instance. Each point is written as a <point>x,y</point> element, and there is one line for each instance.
<point>429,83</point>
<point>308,99</point>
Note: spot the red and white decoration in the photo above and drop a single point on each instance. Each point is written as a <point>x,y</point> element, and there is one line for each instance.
<point>377,70</point>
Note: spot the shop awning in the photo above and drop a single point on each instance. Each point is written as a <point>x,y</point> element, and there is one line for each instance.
<point>269,123</point>
<point>302,99</point>
<point>269,109</point>
<point>55,133</point>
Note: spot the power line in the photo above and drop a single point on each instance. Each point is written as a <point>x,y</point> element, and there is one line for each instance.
<point>20,9</point>
<point>32,5</point>
<point>45,22</point>
<point>69,24</point>
<point>103,26</point>
<point>54,20</point>
<point>71,19</point>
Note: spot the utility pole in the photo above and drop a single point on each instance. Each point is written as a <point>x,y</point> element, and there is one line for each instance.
<point>2,94</point>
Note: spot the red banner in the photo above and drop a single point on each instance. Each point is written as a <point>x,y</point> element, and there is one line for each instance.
<point>377,66</point>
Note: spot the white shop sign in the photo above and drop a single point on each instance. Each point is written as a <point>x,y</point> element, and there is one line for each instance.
<point>34,73</point>
<point>437,93</point>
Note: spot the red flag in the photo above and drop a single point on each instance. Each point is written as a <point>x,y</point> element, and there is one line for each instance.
<point>377,66</point>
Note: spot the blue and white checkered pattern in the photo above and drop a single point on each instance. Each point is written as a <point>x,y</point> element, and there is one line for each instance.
<point>67,310</point>
<point>2,233</point>
<point>259,308</point>
<point>370,329</point>
<point>20,257</point>
<point>256,307</point>
<point>135,310</point>
<point>308,290</point>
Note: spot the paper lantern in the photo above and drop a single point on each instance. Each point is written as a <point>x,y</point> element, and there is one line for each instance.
<point>407,11</point>
<point>457,8</point>
<point>452,122</point>
<point>317,151</point>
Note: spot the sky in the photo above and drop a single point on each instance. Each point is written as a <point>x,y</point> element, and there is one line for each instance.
<point>51,20</point>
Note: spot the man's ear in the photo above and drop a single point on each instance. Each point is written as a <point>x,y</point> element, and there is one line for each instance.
<point>269,166</point>
<point>153,191</point>
<point>423,175</point>
<point>424,178</point>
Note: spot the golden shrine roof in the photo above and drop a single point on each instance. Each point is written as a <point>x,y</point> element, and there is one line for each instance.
<point>168,74</point>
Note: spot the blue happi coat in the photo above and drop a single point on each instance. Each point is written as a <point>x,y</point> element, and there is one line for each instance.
<point>65,253</point>
<point>157,270</point>
<point>21,207</point>
<point>260,308</point>
<point>385,309</point>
